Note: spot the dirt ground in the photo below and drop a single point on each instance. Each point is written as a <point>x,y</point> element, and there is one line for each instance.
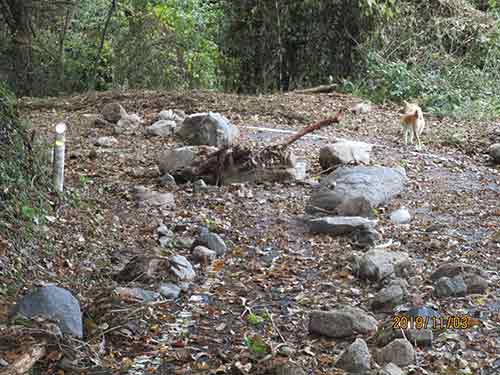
<point>272,268</point>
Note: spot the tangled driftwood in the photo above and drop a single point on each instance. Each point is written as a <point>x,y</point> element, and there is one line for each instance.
<point>227,163</point>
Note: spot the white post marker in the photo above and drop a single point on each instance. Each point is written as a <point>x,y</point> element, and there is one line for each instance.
<point>58,164</point>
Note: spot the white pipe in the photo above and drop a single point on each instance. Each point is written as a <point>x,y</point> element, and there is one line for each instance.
<point>59,146</point>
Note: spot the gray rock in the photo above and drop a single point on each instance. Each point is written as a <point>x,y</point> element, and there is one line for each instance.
<point>181,157</point>
<point>356,359</point>
<point>454,269</point>
<point>210,129</point>
<point>106,141</point>
<point>142,268</point>
<point>289,369</point>
<point>361,108</point>
<point>127,123</point>
<point>358,190</point>
<point>167,180</point>
<point>337,225</point>
<point>181,271</point>
<point>401,216</point>
<point>494,152</point>
<point>475,284</point>
<point>137,294</point>
<point>344,322</point>
<point>344,152</point>
<point>366,237</point>
<point>162,230</point>
<point>202,254</point>
<point>391,369</point>
<point>54,303</point>
<point>152,198</point>
<point>399,352</point>
<point>388,298</point>
<point>211,240</point>
<point>450,286</point>
<point>199,186</point>
<point>170,290</point>
<point>175,115</point>
<point>378,264</point>
<point>113,112</point>
<point>162,128</point>
<point>422,337</point>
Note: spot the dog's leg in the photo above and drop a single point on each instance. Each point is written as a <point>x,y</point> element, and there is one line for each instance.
<point>419,144</point>
<point>405,133</point>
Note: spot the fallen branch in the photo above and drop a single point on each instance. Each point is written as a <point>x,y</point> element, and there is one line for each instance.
<point>317,89</point>
<point>27,360</point>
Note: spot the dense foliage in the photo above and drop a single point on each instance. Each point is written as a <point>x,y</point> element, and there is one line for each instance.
<point>443,53</point>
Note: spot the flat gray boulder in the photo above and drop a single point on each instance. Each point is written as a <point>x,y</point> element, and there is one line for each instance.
<point>344,152</point>
<point>210,129</point>
<point>54,303</point>
<point>356,191</point>
<point>338,225</point>
<point>344,322</point>
<point>181,271</point>
<point>378,264</point>
<point>400,352</point>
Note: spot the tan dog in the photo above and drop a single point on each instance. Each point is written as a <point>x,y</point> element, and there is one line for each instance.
<point>413,123</point>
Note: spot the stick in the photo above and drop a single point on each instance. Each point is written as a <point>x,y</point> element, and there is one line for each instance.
<point>27,360</point>
<point>58,165</point>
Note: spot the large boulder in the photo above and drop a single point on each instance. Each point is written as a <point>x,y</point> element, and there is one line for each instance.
<point>210,129</point>
<point>181,157</point>
<point>53,303</point>
<point>356,191</point>
<point>343,322</point>
<point>494,152</point>
<point>344,152</point>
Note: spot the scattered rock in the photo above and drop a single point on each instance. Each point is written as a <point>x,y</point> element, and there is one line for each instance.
<point>450,286</point>
<point>391,369</point>
<point>199,186</point>
<point>454,269</point>
<point>361,108</point>
<point>202,254</point>
<point>167,180</point>
<point>106,141</point>
<point>378,264</point>
<point>113,112</point>
<point>181,157</point>
<point>136,294</point>
<point>357,190</point>
<point>401,216</point>
<point>356,359</point>
<point>153,198</point>
<point>162,128</point>
<point>175,115</point>
<point>170,290</point>
<point>344,322</point>
<point>337,225</point>
<point>181,271</point>
<point>53,303</point>
<point>212,241</point>
<point>388,298</point>
<point>210,129</point>
<point>494,152</point>
<point>142,268</point>
<point>344,152</point>
<point>365,238</point>
<point>289,369</point>
<point>399,352</point>
<point>475,284</point>
<point>163,231</point>
<point>423,337</point>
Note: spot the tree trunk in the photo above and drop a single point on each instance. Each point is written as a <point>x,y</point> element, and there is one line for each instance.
<point>20,26</point>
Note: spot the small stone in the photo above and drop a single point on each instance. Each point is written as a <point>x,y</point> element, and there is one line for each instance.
<point>450,287</point>
<point>378,264</point>
<point>391,369</point>
<point>494,152</point>
<point>136,294</point>
<point>401,216</point>
<point>162,128</point>
<point>388,298</point>
<point>399,352</point>
<point>113,112</point>
<point>289,369</point>
<point>356,358</point>
<point>162,230</point>
<point>454,269</point>
<point>337,225</point>
<point>199,185</point>
<point>343,322</point>
<point>202,254</point>
<point>106,141</point>
<point>361,108</point>
<point>167,180</point>
<point>211,240</point>
<point>182,271</point>
<point>475,284</point>
<point>170,290</point>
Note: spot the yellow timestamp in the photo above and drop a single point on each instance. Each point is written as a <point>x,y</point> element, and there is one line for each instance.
<point>433,322</point>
